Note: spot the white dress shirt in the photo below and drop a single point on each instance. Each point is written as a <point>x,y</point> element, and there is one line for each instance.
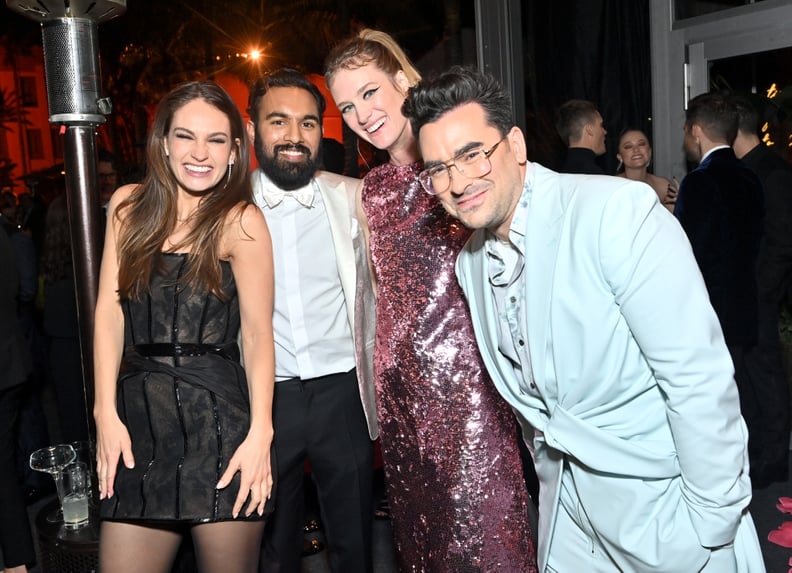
<point>313,336</point>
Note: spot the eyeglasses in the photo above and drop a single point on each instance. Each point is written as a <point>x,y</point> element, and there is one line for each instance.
<point>472,163</point>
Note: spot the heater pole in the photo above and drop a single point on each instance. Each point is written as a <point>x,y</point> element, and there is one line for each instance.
<point>71,65</point>
<point>82,199</point>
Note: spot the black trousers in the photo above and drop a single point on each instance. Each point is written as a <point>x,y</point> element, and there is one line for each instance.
<point>764,391</point>
<point>15,537</point>
<point>321,419</point>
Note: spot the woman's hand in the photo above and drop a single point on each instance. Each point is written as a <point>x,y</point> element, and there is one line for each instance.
<point>112,442</point>
<point>252,460</point>
<point>671,192</point>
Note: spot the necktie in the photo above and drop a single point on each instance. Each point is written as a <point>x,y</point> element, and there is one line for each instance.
<point>274,196</point>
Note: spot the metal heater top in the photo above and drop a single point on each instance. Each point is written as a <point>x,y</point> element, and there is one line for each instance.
<point>42,10</point>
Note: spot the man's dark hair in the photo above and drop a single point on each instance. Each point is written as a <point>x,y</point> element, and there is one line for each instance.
<point>747,115</point>
<point>283,78</point>
<point>333,153</point>
<point>715,114</point>
<point>572,116</point>
<point>433,97</point>
<point>105,156</point>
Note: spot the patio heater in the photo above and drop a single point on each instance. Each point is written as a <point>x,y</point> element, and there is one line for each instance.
<point>71,65</point>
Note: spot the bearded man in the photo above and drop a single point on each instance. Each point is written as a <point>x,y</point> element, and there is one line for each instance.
<point>324,404</point>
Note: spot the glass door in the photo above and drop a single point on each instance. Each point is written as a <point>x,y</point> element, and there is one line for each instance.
<point>743,46</point>
<point>766,79</point>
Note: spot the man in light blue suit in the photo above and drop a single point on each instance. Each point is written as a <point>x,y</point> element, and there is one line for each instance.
<point>594,322</point>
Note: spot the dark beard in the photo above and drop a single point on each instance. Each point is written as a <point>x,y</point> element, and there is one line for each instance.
<point>287,175</point>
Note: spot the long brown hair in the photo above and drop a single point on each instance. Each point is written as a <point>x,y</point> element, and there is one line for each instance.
<point>370,46</point>
<point>149,213</point>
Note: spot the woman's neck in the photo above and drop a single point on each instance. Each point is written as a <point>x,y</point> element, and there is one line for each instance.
<point>636,173</point>
<point>405,149</point>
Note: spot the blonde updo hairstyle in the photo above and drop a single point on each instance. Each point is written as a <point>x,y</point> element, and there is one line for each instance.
<point>371,46</point>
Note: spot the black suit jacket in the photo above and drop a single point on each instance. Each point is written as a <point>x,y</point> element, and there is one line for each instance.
<point>721,207</point>
<point>581,160</point>
<point>774,272</point>
<point>15,362</point>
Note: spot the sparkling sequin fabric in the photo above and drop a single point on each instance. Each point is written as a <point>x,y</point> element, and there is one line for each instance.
<point>452,464</point>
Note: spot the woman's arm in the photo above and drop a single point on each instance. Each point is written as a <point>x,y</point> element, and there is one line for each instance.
<point>247,242</point>
<point>112,438</point>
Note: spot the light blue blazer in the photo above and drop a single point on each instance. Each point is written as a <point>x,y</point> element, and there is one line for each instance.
<point>637,383</point>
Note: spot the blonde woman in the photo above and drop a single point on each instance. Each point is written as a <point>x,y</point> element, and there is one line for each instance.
<point>455,481</point>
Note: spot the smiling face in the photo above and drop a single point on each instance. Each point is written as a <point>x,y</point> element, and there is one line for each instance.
<point>287,136</point>
<point>370,101</point>
<point>199,146</point>
<point>482,202</point>
<point>634,150</point>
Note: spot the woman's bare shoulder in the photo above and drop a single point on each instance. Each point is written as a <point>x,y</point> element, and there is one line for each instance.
<point>120,195</point>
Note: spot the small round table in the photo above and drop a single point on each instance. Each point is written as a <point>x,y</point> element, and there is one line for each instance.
<point>67,550</point>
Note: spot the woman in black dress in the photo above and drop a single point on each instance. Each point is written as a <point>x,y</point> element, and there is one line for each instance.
<point>183,432</point>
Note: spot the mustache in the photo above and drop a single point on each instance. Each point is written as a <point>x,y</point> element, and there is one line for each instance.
<point>292,147</point>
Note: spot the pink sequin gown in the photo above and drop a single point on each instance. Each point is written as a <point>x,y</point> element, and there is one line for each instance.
<point>449,442</point>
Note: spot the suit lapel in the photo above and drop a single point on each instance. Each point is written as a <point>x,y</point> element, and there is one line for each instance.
<point>542,236</point>
<point>338,214</point>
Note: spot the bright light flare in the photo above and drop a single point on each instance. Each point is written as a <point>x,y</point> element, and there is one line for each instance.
<point>255,54</point>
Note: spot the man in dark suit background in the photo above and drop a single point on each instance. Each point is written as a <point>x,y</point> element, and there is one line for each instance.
<point>15,366</point>
<point>766,408</point>
<point>721,207</point>
<point>581,127</point>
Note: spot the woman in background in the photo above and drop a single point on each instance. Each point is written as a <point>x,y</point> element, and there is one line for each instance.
<point>635,154</point>
<point>455,481</point>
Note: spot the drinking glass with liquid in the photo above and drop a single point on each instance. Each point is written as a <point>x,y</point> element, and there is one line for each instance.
<point>75,495</point>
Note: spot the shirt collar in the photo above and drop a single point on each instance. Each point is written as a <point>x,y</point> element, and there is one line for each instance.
<point>703,157</point>
<point>269,193</point>
<point>502,254</point>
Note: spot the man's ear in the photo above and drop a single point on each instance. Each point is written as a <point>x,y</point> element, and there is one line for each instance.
<point>516,140</point>
<point>251,130</point>
<point>695,130</point>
